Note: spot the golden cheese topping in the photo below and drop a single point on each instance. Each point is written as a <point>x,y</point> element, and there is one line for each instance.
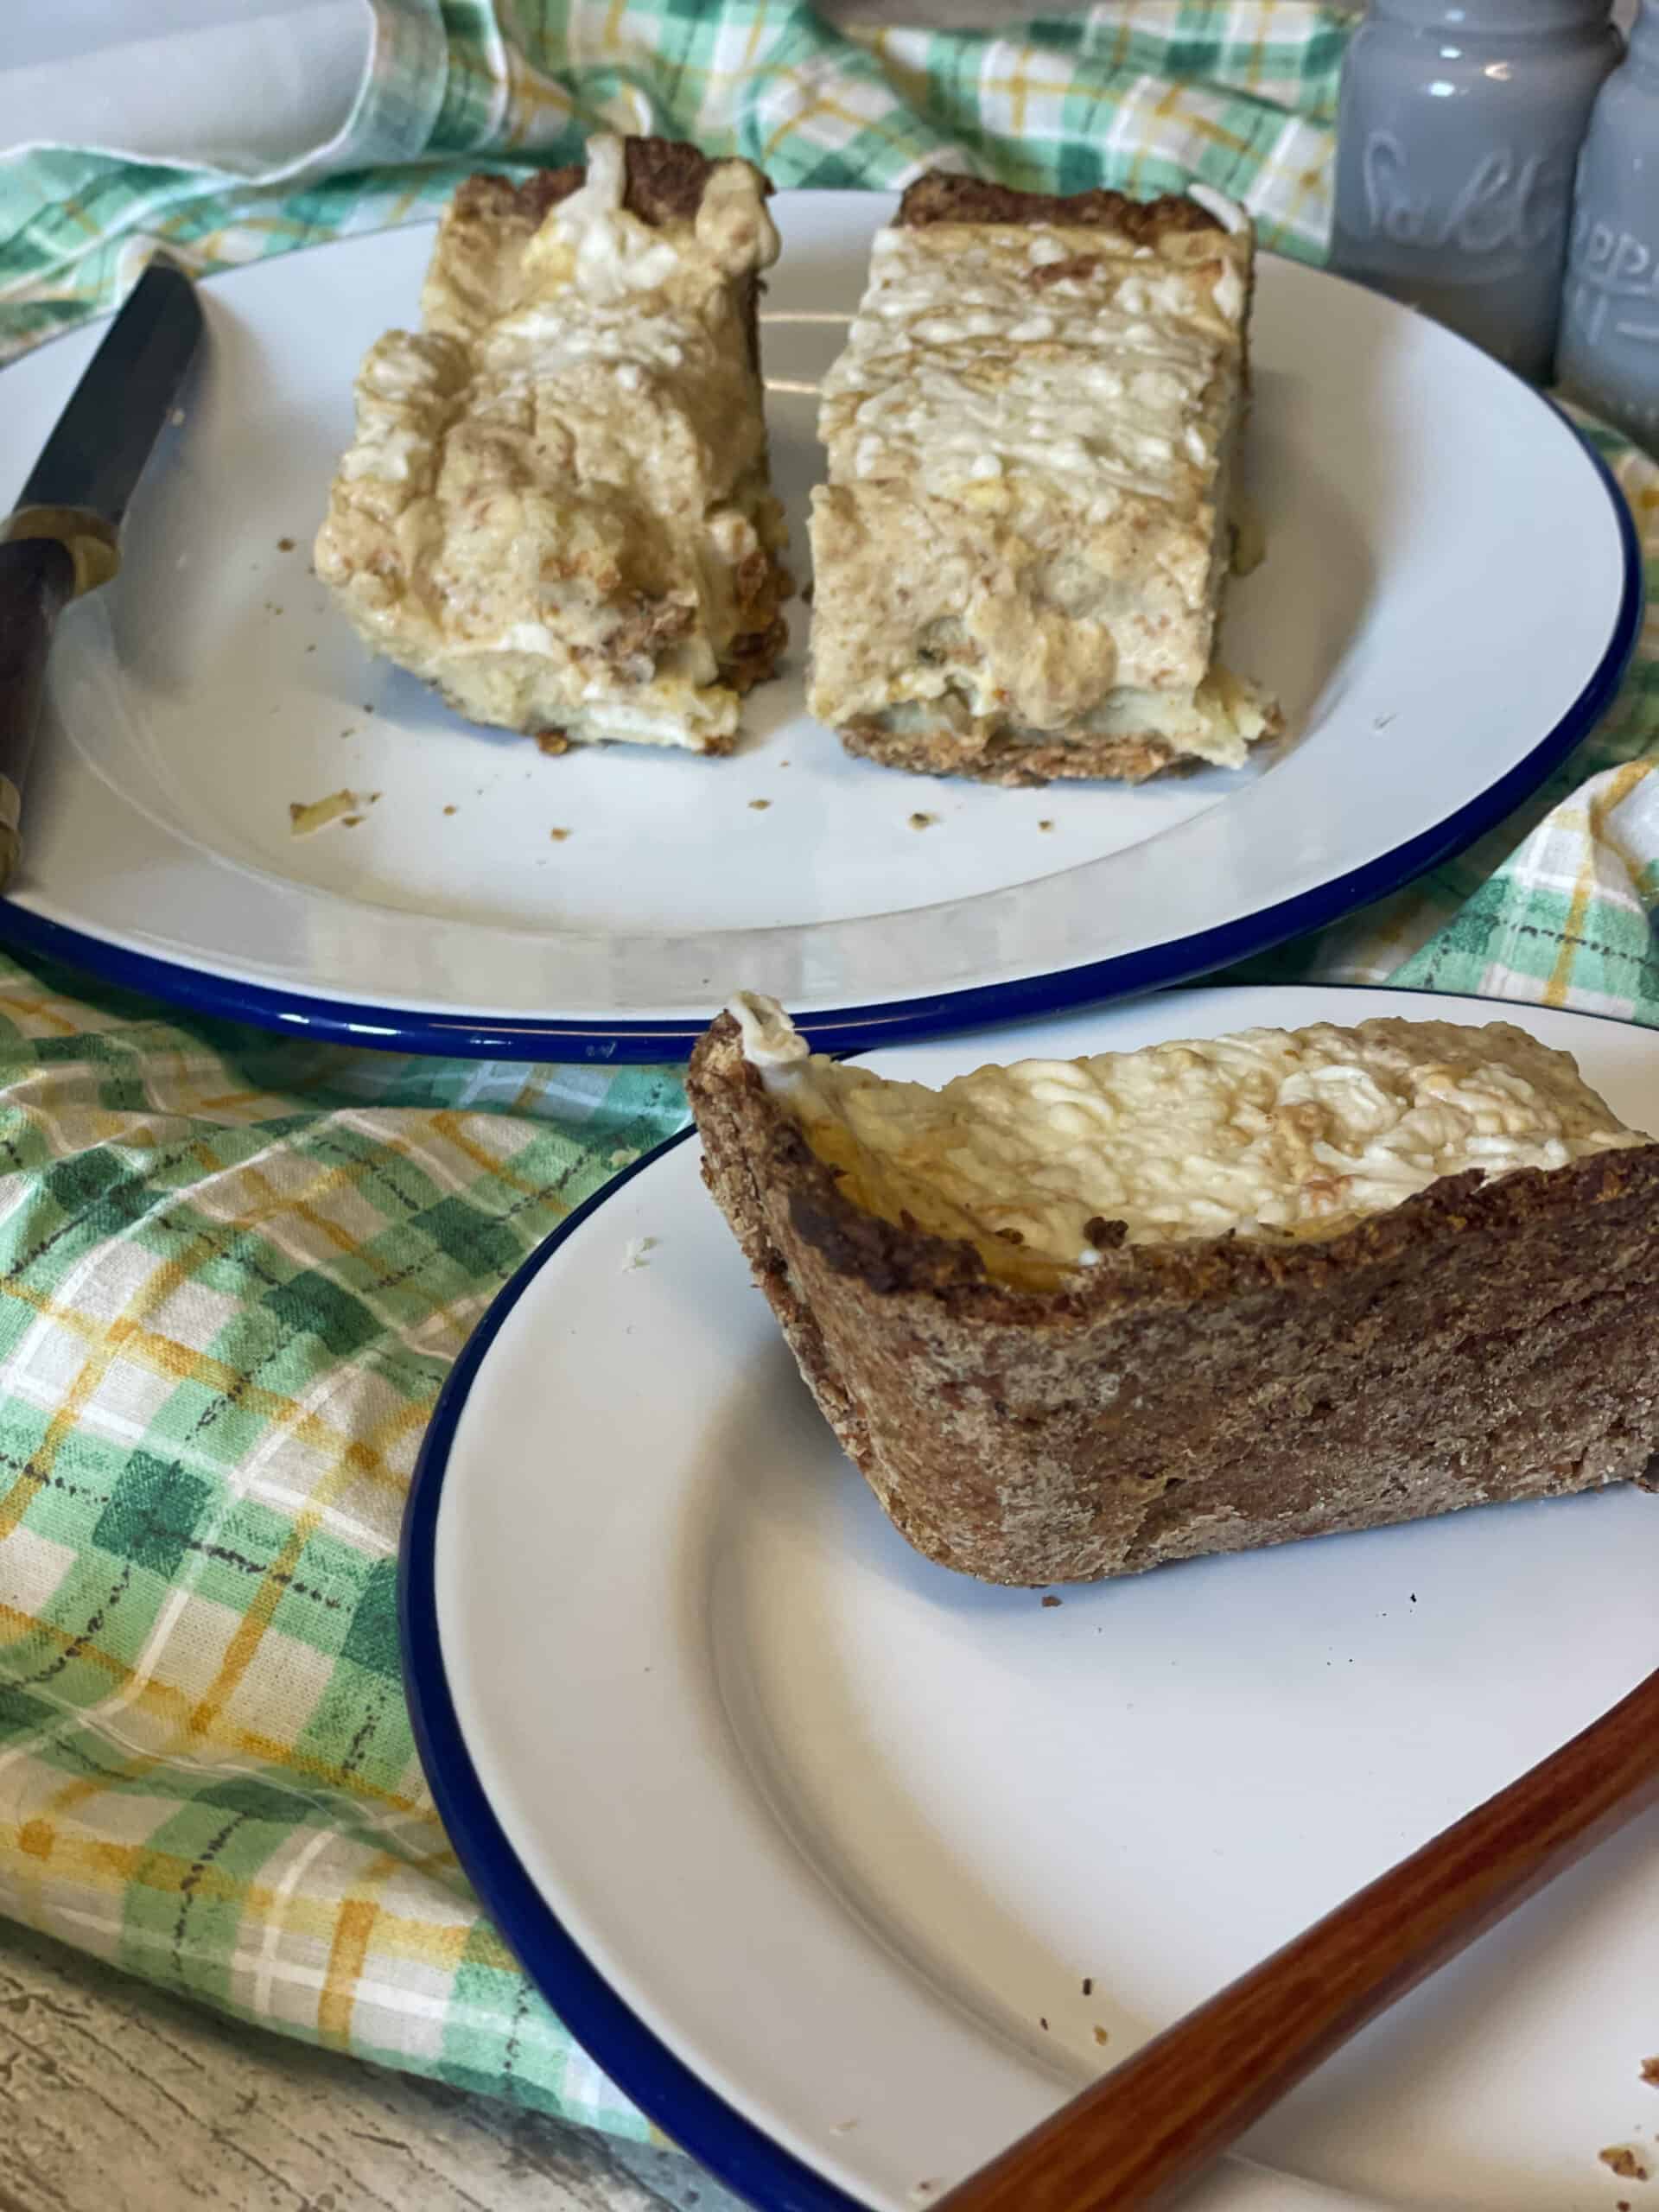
<point>1279,1133</point>
<point>982,350</point>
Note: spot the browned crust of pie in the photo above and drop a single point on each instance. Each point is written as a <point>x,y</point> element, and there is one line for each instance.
<point>1480,1343</point>
<point>666,179</point>
<point>938,198</point>
<point>1001,756</point>
<point>753,657</point>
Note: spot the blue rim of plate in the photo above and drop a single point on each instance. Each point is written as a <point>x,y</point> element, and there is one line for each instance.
<point>1128,975</point>
<point>666,2090</point>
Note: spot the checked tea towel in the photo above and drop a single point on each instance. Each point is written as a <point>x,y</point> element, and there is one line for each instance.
<point>234,1270</point>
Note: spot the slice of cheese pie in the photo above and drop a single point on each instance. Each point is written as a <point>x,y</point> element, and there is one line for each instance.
<point>1075,1319</point>
<point>556,508</point>
<point>1019,553</point>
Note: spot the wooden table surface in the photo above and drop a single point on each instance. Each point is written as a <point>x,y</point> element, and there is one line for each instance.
<point>116,2098</point>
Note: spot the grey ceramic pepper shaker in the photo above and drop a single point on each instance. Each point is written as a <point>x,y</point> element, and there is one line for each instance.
<point>1457,129</point>
<point>1609,353</point>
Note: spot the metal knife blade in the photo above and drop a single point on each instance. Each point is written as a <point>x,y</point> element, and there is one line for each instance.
<point>95,456</point>
<point>62,537</point>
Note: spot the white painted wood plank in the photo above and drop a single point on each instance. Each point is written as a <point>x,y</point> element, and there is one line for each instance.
<point>116,2098</point>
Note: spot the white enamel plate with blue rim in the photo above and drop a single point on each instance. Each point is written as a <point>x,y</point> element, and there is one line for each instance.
<point>841,1864</point>
<point>1450,593</point>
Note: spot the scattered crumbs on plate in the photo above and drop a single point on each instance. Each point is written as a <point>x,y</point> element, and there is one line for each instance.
<point>1052,1599</point>
<point>1382,722</point>
<point>634,1256</point>
<point>1088,1985</point>
<point>1624,2162</point>
<point>304,816</point>
<point>558,835</point>
<point>310,649</point>
<point>284,545</point>
<point>350,732</point>
<point>367,709</point>
<point>1650,2072</point>
<point>1042,2023</point>
<point>375,799</point>
<point>351,821</point>
<point>451,810</point>
<point>1045,825</point>
<point>923,821</point>
<point>758,805</point>
<point>1101,2036</point>
<point>843,2127</point>
<point>783,764</point>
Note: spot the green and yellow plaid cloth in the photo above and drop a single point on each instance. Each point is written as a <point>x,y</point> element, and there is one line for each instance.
<point>234,1270</point>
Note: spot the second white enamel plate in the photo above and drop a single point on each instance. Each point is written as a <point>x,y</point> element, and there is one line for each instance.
<point>845,1866</point>
<point>1449,595</point>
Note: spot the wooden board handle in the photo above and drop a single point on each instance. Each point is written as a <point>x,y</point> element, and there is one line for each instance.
<point>37,580</point>
<point>1135,2140</point>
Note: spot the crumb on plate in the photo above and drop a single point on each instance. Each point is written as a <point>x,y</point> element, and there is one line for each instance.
<point>923,821</point>
<point>1624,2162</point>
<point>306,816</point>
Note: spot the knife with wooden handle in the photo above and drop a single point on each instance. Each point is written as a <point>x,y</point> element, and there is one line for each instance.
<point>64,536</point>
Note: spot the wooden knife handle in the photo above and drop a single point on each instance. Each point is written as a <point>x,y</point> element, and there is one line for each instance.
<point>37,580</point>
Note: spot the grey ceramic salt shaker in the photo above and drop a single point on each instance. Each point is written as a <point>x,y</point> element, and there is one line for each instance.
<point>1457,129</point>
<point>1609,353</point>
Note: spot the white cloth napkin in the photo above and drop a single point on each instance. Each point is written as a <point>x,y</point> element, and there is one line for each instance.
<point>260,90</point>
